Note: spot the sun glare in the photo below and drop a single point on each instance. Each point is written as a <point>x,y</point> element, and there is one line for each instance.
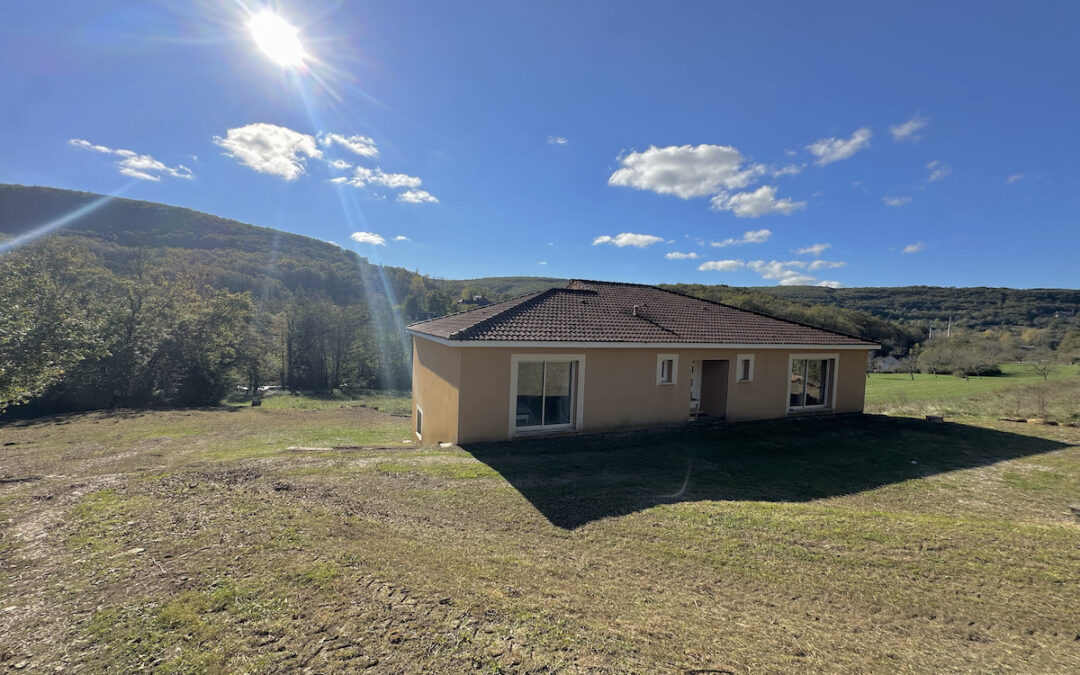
<point>276,38</point>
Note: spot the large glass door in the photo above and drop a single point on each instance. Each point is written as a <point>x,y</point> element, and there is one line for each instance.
<point>810,384</point>
<point>545,395</point>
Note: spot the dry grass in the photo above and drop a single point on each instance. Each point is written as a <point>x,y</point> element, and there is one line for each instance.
<point>198,541</point>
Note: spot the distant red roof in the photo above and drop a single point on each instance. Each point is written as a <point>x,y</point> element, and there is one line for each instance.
<point>601,311</point>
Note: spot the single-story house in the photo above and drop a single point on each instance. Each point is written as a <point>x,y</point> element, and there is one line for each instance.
<point>596,356</point>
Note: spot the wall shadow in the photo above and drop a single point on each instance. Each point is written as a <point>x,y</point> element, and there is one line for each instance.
<point>576,480</point>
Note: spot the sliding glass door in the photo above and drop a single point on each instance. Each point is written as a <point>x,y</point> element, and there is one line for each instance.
<point>545,395</point>
<point>810,384</point>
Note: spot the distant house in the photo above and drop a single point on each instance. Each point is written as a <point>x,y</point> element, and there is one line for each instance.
<point>886,364</point>
<point>479,300</point>
<point>596,356</point>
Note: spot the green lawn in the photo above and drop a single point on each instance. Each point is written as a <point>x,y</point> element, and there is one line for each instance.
<point>881,387</point>
<point>293,539</point>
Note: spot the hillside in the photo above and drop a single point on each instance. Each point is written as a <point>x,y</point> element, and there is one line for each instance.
<point>978,308</point>
<point>239,257</point>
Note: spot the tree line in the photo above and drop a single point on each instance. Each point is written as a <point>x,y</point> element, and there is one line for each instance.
<point>970,354</point>
<point>77,334</point>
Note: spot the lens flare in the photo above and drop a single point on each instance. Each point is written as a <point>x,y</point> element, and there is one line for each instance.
<point>277,38</point>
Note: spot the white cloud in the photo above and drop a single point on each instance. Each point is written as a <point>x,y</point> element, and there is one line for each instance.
<point>896,201</point>
<point>937,171</point>
<point>776,269</point>
<point>753,204</point>
<point>792,272</point>
<point>363,176</point>
<point>830,284</point>
<point>675,255</point>
<point>789,170</point>
<point>339,164</point>
<point>87,145</point>
<point>542,262</point>
<point>813,249</point>
<point>361,145</point>
<point>368,238</point>
<point>134,165</point>
<point>1016,177</point>
<point>829,150</point>
<point>417,197</point>
<point>628,239</point>
<point>557,140</point>
<point>340,180</point>
<point>686,170</point>
<point>749,237</point>
<point>914,248</point>
<point>908,131</point>
<point>797,280</point>
<point>721,266</point>
<point>268,148</point>
<point>401,237</point>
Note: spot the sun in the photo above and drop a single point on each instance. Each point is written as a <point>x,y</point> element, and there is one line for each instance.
<point>277,39</point>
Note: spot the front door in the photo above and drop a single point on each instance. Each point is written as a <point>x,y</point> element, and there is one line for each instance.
<point>713,388</point>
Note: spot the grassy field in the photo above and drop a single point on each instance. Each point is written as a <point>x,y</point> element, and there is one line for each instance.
<point>1017,392</point>
<point>884,387</point>
<point>289,538</point>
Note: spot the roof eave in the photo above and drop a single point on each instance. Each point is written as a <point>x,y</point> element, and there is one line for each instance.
<point>585,344</point>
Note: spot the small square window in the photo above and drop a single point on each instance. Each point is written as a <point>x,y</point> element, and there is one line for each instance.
<point>744,370</point>
<point>667,367</point>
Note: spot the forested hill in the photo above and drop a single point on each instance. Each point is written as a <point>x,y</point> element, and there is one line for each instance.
<point>977,308</point>
<point>135,304</point>
<point>269,263</point>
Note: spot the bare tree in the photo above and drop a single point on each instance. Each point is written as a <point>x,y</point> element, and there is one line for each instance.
<point>1041,362</point>
<point>909,364</point>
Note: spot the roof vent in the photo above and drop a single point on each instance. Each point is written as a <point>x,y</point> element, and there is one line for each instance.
<point>634,311</point>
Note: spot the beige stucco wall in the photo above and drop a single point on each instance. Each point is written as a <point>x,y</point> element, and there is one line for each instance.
<point>620,390</point>
<point>436,380</point>
<point>468,396</point>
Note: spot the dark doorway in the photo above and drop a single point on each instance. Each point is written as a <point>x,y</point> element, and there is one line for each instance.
<point>714,388</point>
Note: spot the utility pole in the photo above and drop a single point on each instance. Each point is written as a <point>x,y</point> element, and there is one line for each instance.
<point>948,334</point>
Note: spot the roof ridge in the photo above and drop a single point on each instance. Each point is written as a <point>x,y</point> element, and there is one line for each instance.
<point>607,283</point>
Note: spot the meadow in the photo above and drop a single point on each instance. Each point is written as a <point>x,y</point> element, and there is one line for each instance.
<point>1018,393</point>
<point>310,535</point>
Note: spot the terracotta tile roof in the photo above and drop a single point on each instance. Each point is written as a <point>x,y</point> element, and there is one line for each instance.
<point>601,311</point>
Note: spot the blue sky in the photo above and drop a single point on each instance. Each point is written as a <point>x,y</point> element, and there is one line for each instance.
<point>753,143</point>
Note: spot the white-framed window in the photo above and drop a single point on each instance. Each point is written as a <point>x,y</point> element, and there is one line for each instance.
<point>667,368</point>
<point>546,392</point>
<point>419,423</point>
<point>744,368</point>
<point>811,382</point>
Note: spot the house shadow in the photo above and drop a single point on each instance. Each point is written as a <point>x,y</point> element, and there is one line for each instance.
<point>575,480</point>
